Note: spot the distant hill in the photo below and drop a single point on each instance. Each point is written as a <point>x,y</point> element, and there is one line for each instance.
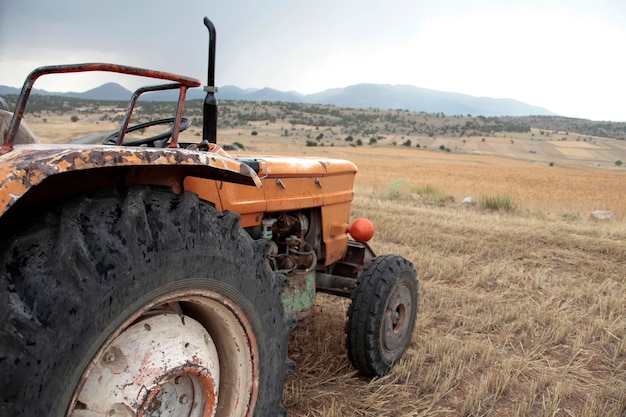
<point>108,92</point>
<point>386,96</point>
<point>412,98</point>
<point>269,94</point>
<point>382,96</point>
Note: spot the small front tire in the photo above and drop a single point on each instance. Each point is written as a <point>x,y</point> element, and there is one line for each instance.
<point>381,317</point>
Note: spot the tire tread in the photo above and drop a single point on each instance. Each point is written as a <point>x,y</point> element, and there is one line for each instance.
<point>91,252</point>
<point>365,312</point>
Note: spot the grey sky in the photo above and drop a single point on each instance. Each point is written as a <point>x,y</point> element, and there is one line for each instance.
<point>565,55</point>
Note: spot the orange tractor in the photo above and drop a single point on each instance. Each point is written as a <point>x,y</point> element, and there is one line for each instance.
<point>151,277</point>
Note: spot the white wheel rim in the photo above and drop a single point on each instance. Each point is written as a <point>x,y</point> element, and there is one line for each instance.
<point>201,361</point>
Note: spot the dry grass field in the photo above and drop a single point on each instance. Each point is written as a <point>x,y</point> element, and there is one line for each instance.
<point>519,316</point>
<point>522,312</point>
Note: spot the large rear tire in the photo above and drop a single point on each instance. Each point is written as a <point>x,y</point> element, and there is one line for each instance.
<point>139,302</point>
<point>381,317</point>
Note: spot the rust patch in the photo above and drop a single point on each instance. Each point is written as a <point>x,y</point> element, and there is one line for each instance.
<point>152,402</point>
<point>27,166</point>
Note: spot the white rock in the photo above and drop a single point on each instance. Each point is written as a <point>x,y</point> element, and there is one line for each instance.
<point>602,215</point>
<point>469,201</point>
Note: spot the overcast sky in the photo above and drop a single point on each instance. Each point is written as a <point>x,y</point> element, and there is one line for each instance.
<point>564,55</point>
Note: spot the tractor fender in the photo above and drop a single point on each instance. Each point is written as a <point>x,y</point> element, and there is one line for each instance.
<point>37,171</point>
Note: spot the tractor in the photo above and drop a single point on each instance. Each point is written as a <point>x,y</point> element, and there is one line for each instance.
<point>151,277</point>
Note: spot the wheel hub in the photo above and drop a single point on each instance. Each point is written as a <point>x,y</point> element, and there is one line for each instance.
<point>165,365</point>
<point>396,318</point>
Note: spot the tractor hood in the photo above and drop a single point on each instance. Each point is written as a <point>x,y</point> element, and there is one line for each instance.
<point>290,167</point>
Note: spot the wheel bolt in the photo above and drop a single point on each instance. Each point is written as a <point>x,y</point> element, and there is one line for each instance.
<point>109,356</point>
<point>114,360</point>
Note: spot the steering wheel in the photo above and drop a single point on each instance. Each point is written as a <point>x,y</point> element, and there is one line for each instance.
<point>112,138</point>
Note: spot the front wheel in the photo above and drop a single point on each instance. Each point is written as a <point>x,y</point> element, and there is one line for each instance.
<point>139,303</point>
<point>381,317</point>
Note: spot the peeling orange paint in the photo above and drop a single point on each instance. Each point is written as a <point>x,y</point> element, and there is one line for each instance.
<point>26,166</point>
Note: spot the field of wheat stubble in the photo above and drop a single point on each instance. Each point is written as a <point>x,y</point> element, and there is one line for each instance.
<point>522,313</point>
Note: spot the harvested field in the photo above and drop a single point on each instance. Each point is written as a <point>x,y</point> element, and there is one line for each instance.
<point>521,314</point>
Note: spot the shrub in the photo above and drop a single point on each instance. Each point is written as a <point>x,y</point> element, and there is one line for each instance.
<point>434,194</point>
<point>398,186</point>
<point>74,119</point>
<point>254,133</point>
<point>239,144</point>
<point>497,202</point>
<point>311,143</point>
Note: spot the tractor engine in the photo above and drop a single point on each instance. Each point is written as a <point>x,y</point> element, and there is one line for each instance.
<point>289,248</point>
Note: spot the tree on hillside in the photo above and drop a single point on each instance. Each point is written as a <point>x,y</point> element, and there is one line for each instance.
<point>618,163</point>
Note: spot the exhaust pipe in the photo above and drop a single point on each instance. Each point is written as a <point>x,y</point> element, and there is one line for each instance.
<point>209,122</point>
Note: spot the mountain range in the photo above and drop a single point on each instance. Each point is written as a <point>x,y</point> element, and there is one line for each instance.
<point>382,96</point>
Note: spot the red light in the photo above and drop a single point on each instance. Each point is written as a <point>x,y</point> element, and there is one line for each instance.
<point>361,230</point>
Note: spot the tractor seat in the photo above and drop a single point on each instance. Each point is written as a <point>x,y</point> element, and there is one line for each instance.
<point>24,134</point>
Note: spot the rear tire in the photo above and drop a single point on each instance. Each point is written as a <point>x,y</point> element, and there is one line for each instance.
<point>381,317</point>
<point>82,282</point>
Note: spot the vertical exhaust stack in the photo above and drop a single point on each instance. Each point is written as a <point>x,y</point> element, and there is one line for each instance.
<point>209,123</point>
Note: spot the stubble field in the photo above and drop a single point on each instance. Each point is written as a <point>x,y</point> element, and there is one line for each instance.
<point>522,313</point>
